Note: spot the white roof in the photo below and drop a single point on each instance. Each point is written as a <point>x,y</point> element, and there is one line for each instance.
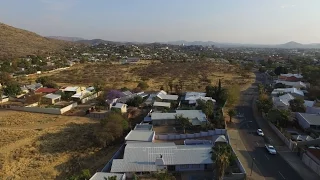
<point>290,75</point>
<point>196,116</point>
<point>162,104</point>
<point>141,157</point>
<point>70,88</point>
<point>287,90</point>
<point>286,98</point>
<point>91,88</point>
<point>52,96</point>
<point>293,84</point>
<point>140,135</point>
<point>80,94</point>
<point>193,95</point>
<point>119,105</point>
<point>127,93</point>
<point>104,176</point>
<point>309,103</point>
<point>164,95</point>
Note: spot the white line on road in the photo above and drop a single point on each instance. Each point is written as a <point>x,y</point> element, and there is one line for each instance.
<point>257,143</point>
<point>267,158</point>
<point>281,175</point>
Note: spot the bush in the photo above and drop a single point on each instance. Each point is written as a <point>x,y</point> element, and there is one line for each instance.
<point>143,85</point>
<point>135,101</point>
<point>12,88</point>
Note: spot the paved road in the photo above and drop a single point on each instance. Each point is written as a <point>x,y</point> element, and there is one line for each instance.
<point>270,166</point>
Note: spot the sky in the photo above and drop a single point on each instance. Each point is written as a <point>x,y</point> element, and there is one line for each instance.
<point>232,21</point>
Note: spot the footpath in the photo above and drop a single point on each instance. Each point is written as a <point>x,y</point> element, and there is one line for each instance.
<point>291,157</point>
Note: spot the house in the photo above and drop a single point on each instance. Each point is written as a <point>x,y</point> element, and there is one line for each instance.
<point>80,95</point>
<point>153,157</point>
<point>160,106</point>
<point>293,91</point>
<point>122,107</point>
<point>141,133</point>
<point>197,117</point>
<point>192,97</point>
<point>71,90</point>
<point>46,90</point>
<point>291,77</point>
<point>24,90</point>
<point>130,60</point>
<point>33,87</point>
<point>282,102</point>
<point>51,98</point>
<point>105,176</point>
<point>164,97</point>
<point>307,121</point>
<point>4,98</point>
<point>297,84</point>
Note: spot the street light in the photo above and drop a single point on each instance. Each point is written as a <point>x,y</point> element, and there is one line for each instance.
<point>252,165</point>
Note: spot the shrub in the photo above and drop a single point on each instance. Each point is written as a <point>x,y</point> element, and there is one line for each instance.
<point>143,85</point>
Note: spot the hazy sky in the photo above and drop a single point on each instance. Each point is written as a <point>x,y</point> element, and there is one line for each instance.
<point>238,21</point>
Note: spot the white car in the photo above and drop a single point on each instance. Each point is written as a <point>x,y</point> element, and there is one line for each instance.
<point>260,132</point>
<point>271,149</point>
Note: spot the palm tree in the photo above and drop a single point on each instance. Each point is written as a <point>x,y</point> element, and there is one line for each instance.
<point>231,113</point>
<point>222,155</point>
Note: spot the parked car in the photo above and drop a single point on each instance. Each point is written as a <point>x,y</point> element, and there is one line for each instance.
<point>271,149</point>
<point>260,132</point>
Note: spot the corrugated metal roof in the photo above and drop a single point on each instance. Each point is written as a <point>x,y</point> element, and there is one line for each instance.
<point>140,135</point>
<point>104,176</point>
<point>69,88</point>
<point>143,127</point>
<point>140,157</point>
<point>164,95</point>
<point>162,104</point>
<point>312,119</point>
<point>52,96</point>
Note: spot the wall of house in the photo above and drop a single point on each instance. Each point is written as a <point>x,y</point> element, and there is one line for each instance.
<point>307,160</point>
<point>117,154</point>
<point>4,100</point>
<point>163,122</point>
<point>190,136</point>
<point>190,167</point>
<point>68,108</point>
<point>93,96</point>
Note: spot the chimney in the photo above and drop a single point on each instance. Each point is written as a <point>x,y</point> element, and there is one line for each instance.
<point>159,161</point>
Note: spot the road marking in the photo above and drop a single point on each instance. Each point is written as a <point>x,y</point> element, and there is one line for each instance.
<point>257,143</point>
<point>267,158</point>
<point>281,175</point>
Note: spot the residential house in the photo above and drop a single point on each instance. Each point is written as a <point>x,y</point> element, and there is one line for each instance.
<point>153,157</point>
<point>197,117</point>
<point>297,84</point>
<point>71,90</point>
<point>293,91</point>
<point>291,77</point>
<point>315,109</point>
<point>192,97</point>
<point>46,90</point>
<point>80,95</point>
<point>34,87</point>
<point>161,106</point>
<point>307,121</point>
<point>24,90</point>
<point>282,102</point>
<point>164,97</point>
<point>51,98</point>
<point>122,107</point>
<point>141,133</point>
<point>4,98</point>
<point>105,176</point>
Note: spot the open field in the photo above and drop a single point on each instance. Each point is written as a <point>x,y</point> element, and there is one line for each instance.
<point>193,76</point>
<point>37,146</point>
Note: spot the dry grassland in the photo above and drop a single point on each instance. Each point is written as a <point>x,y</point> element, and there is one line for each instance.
<point>37,146</point>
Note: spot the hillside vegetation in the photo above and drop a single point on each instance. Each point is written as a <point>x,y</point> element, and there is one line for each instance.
<point>16,42</point>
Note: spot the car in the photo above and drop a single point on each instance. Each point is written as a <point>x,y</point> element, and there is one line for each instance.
<point>260,132</point>
<point>271,149</point>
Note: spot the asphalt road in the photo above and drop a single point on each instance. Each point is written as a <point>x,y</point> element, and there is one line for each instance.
<point>270,166</point>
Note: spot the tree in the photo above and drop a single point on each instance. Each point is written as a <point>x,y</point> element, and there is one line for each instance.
<point>12,88</point>
<point>233,95</point>
<point>50,84</point>
<point>143,85</point>
<point>170,84</point>
<point>279,117</point>
<point>264,103</point>
<point>207,107</point>
<point>279,85</point>
<point>98,86</point>
<point>280,70</point>
<point>231,113</point>
<point>111,178</point>
<point>84,175</point>
<point>222,155</point>
<point>135,101</point>
<point>262,69</point>
<point>183,121</point>
<point>297,105</point>
<point>218,93</point>
<point>42,80</point>
<point>5,78</point>
<point>165,176</point>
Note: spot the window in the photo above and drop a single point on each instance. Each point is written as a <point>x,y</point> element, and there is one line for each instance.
<point>185,166</point>
<point>195,165</point>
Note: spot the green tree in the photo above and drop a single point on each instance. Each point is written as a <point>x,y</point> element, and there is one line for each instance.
<point>279,117</point>
<point>231,113</point>
<point>183,121</point>
<point>222,155</point>
<point>135,101</point>
<point>84,175</point>
<point>12,88</point>
<point>5,78</point>
<point>207,107</point>
<point>264,103</point>
<point>280,70</point>
<point>143,85</point>
<point>98,86</point>
<point>111,178</point>
<point>218,93</point>
<point>165,176</point>
<point>297,105</point>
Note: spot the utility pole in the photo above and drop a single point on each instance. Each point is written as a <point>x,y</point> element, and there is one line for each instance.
<point>252,165</point>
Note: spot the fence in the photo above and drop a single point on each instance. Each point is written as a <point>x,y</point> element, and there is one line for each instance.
<point>307,160</point>
<point>291,145</point>
<point>107,167</point>
<point>93,96</point>
<point>190,136</point>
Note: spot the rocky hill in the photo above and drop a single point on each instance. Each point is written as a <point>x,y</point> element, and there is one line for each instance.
<point>16,42</point>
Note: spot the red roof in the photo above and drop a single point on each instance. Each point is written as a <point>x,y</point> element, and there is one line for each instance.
<point>46,90</point>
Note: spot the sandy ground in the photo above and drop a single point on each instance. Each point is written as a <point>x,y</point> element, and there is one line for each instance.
<point>38,146</point>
